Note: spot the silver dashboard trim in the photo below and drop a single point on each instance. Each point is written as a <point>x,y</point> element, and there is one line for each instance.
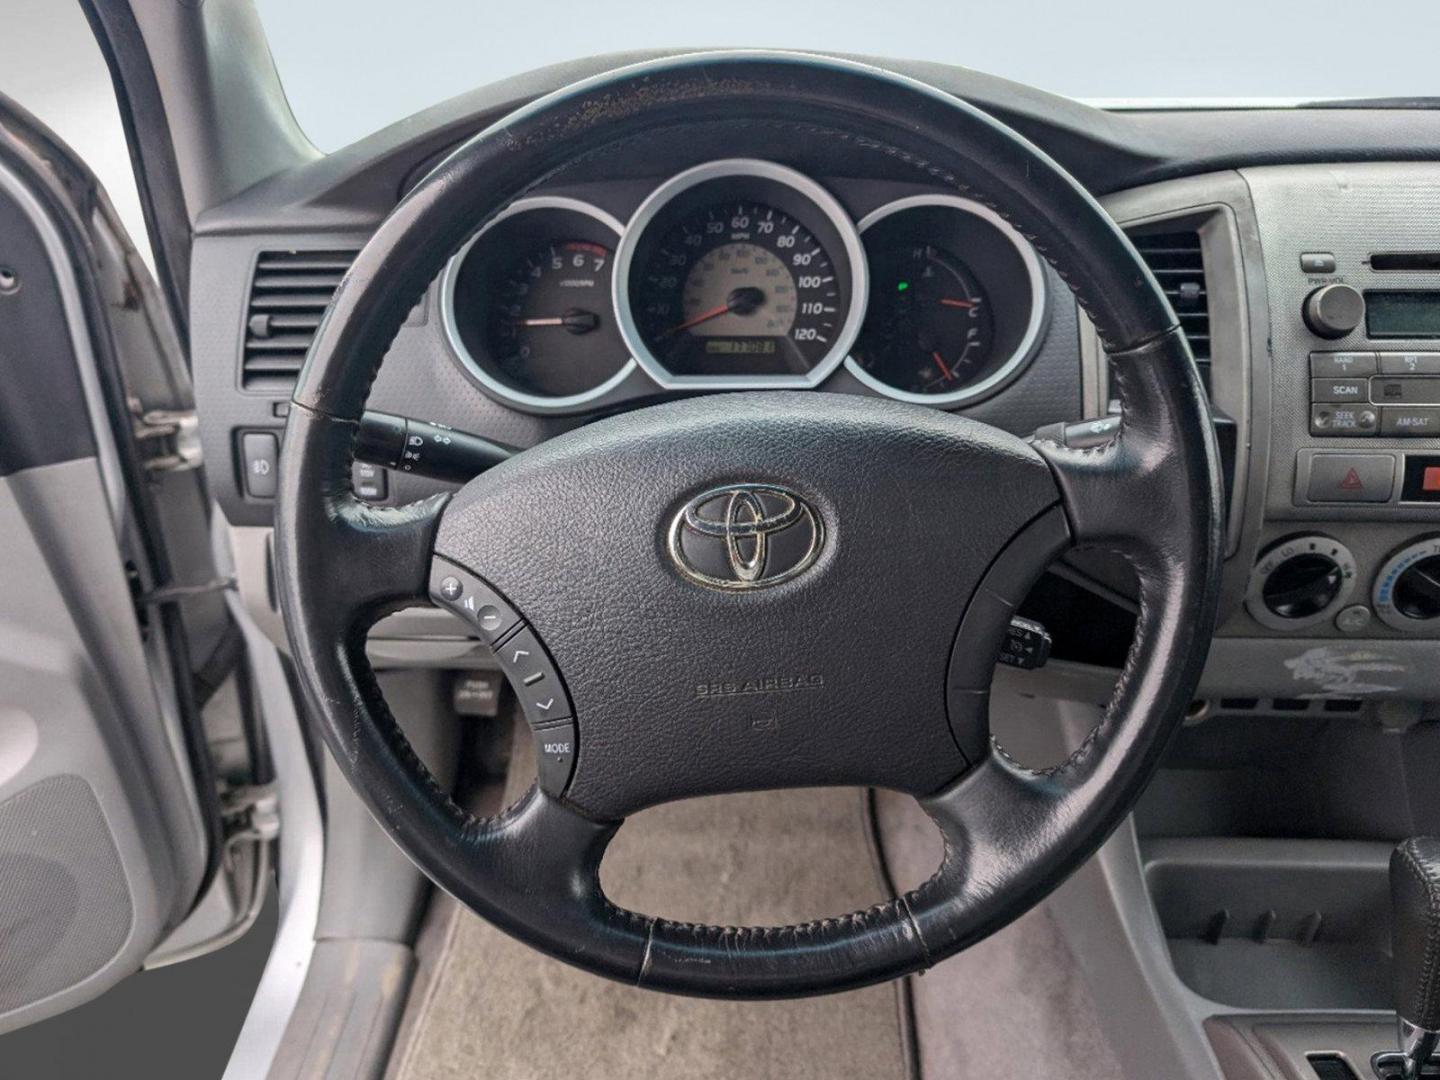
<point>301,843</point>
<point>658,199</point>
<point>495,387</point>
<point>1024,351</point>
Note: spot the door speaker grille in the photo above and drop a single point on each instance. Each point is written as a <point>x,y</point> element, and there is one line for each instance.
<point>65,908</point>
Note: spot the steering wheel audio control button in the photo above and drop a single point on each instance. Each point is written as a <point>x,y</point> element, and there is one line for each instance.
<point>534,678</point>
<point>555,755</point>
<point>474,601</point>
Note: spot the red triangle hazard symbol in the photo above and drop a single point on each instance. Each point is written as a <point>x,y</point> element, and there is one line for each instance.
<point>1352,482</point>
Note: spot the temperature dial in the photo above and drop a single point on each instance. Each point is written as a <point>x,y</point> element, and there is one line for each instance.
<point>1299,581</point>
<point>1407,589</point>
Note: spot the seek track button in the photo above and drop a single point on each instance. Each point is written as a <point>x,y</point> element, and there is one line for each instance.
<point>534,677</point>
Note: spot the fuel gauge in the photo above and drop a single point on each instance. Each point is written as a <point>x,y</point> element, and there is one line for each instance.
<point>956,305</point>
<point>928,328</point>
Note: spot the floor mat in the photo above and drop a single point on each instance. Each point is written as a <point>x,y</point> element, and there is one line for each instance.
<point>487,1006</point>
<point>1011,1007</point>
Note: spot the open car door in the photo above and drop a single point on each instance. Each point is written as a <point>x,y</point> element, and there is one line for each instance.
<point>116,649</point>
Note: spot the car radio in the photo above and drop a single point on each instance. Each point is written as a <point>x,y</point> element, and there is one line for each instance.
<point>1365,393</point>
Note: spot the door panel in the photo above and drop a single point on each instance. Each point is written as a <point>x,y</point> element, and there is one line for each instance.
<point>105,838</point>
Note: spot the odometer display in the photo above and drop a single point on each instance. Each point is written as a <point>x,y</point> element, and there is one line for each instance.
<point>740,273</point>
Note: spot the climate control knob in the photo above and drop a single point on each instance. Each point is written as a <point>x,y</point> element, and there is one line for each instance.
<point>1299,581</point>
<point>1407,589</point>
<point>1332,311</point>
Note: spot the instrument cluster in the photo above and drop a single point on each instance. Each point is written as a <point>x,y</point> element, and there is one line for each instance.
<point>743,274</point>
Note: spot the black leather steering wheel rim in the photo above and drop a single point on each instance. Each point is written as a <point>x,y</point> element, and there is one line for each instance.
<point>1011,835</point>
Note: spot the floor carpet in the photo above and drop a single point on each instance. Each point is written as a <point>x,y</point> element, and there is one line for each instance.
<point>487,1006</point>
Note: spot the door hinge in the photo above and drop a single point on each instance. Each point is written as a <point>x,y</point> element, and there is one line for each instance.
<point>168,439</point>
<point>250,814</point>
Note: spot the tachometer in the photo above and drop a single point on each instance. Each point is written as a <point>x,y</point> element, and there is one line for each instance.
<point>528,305</point>
<point>546,309</point>
<point>740,273</point>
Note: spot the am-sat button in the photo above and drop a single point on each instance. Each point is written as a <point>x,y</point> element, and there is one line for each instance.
<point>1351,478</point>
<point>1412,420</point>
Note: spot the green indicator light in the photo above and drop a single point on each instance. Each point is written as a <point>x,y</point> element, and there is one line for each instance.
<point>902,286</point>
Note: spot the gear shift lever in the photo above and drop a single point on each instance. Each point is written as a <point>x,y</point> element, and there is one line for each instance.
<point>1415,934</point>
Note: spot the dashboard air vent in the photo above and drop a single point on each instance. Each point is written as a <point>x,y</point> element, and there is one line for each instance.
<point>288,295</point>
<point>1176,260</point>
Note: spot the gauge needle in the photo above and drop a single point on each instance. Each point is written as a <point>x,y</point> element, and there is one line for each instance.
<point>576,320</point>
<point>741,301</point>
<point>940,363</point>
<point>949,301</point>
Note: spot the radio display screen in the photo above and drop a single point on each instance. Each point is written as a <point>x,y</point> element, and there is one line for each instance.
<point>1402,314</point>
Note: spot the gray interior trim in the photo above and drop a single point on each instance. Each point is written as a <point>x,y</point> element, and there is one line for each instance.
<point>1219,208</point>
<point>79,331</point>
<point>1094,372</point>
<point>301,854</point>
<point>78,700</point>
<point>1265,1047</point>
<point>1104,911</point>
<point>226,112</point>
<point>345,1022</point>
<point>371,890</point>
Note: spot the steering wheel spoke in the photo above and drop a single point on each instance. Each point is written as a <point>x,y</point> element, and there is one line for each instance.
<point>376,558</point>
<point>1129,493</point>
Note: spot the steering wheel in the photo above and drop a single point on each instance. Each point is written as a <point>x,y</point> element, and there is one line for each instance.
<point>587,562</point>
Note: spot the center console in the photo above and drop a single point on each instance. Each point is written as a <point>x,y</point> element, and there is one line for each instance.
<point>1352,266</point>
<point>1240,925</point>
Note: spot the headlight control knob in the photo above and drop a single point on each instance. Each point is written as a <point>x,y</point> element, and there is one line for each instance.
<point>1407,589</point>
<point>1332,311</point>
<point>1299,581</point>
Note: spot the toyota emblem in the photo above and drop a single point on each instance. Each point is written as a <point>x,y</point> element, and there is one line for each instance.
<point>745,536</point>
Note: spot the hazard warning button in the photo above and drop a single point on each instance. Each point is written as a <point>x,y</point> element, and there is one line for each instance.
<point>1351,478</point>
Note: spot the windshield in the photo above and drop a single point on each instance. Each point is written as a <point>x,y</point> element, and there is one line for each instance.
<point>352,66</point>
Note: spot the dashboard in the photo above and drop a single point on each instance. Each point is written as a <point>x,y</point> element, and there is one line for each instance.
<point>742,274</point>
<point>727,257</point>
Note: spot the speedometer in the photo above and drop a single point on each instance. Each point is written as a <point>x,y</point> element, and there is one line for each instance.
<point>739,282</point>
<point>740,273</point>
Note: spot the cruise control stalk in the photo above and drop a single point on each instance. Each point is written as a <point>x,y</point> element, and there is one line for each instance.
<point>425,449</point>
